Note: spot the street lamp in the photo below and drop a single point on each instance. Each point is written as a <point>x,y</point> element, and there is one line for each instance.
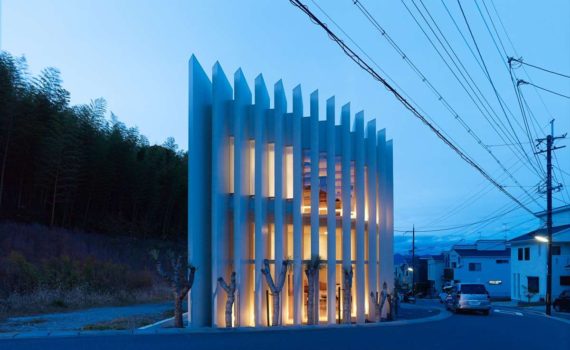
<point>411,269</point>
<point>542,239</point>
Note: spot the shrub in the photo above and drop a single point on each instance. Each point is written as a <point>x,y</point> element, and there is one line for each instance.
<point>18,275</point>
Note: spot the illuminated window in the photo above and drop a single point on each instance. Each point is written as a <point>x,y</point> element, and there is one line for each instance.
<point>271,170</point>
<point>231,155</point>
<point>251,167</point>
<point>288,173</point>
<point>306,206</point>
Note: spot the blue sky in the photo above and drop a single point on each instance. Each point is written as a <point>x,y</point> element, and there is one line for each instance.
<point>134,53</point>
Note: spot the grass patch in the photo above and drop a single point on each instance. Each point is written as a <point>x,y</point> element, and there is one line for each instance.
<point>50,301</point>
<point>124,323</point>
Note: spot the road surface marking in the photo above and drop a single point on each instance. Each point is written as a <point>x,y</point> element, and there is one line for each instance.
<point>508,312</point>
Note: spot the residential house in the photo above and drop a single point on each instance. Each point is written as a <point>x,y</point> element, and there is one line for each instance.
<point>485,261</point>
<point>529,256</point>
<point>435,268</point>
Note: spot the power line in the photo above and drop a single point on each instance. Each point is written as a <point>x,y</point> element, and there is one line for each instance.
<point>477,194</point>
<point>362,64</point>
<point>494,121</point>
<point>523,82</point>
<point>478,60</point>
<point>451,228</point>
<point>413,102</point>
<point>424,79</point>
<point>504,210</point>
<point>487,72</point>
<point>516,53</point>
<point>520,60</point>
<point>509,68</point>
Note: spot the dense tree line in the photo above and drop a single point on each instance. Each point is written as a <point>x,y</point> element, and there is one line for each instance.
<point>70,166</point>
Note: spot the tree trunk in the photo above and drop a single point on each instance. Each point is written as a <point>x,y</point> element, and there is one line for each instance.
<point>87,207</point>
<point>347,298</point>
<point>231,292</point>
<point>229,309</point>
<point>276,309</point>
<point>178,322</point>
<point>309,296</point>
<point>20,194</point>
<point>4,160</point>
<point>54,197</point>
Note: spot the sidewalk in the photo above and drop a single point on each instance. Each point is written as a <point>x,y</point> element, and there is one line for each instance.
<point>535,309</point>
<point>409,314</point>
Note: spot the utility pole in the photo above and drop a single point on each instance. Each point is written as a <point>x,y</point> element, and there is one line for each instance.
<point>413,260</point>
<point>549,188</point>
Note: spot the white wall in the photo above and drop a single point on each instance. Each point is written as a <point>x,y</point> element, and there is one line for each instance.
<point>536,266</point>
<point>490,271</point>
<point>435,273</point>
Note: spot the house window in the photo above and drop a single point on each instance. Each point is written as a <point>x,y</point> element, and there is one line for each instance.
<point>555,250</point>
<point>453,265</point>
<point>231,156</point>
<point>474,266</point>
<point>271,170</point>
<point>527,253</point>
<point>565,280</point>
<point>251,146</point>
<point>288,176</point>
<point>502,261</point>
<point>532,284</point>
<point>520,251</point>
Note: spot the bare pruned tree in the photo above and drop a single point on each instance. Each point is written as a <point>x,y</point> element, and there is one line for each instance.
<point>347,295</point>
<point>275,288</point>
<point>374,297</point>
<point>311,270</point>
<point>180,276</point>
<point>231,292</point>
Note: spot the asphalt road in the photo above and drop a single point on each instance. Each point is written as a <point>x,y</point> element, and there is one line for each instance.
<point>504,329</point>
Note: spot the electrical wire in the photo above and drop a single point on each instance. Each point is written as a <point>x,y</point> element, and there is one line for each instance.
<point>366,67</point>
<point>452,228</point>
<point>542,69</point>
<point>478,60</point>
<point>523,82</point>
<point>488,74</point>
<point>424,79</point>
<point>494,121</point>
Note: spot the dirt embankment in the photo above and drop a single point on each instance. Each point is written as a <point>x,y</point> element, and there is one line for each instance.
<point>46,269</point>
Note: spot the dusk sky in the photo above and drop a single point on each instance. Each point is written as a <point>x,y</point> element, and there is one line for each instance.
<point>134,53</point>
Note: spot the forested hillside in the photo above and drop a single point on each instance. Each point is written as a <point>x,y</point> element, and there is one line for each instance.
<point>75,167</point>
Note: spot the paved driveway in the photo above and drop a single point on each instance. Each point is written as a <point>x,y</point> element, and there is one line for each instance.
<point>74,320</point>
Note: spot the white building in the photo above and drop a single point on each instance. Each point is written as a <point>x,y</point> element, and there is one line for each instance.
<point>528,259</point>
<point>435,269</point>
<point>268,182</point>
<point>403,274</point>
<point>485,261</point>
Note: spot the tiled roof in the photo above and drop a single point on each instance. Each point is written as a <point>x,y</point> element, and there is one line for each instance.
<point>540,231</point>
<point>483,253</point>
